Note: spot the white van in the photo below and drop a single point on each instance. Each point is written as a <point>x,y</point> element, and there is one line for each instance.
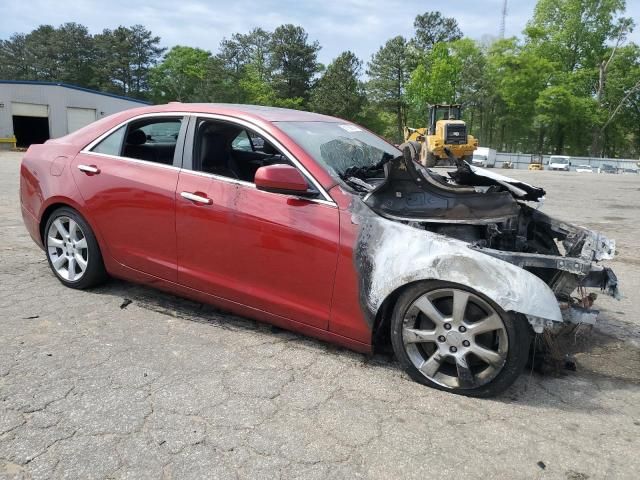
<point>559,162</point>
<point>484,157</point>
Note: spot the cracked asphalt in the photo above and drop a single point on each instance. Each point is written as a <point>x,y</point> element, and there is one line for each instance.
<point>166,388</point>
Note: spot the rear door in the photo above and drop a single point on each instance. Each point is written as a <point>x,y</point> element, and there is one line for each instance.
<point>128,181</point>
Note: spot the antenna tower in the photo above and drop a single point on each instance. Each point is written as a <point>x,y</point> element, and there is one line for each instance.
<point>503,19</point>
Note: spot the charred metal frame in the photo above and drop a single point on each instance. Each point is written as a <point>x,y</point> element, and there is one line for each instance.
<point>536,262</point>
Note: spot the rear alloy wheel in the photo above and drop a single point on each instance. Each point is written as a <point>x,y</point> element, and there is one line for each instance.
<point>72,250</point>
<point>452,338</point>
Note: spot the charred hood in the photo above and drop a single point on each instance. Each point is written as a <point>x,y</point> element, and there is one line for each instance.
<point>410,191</point>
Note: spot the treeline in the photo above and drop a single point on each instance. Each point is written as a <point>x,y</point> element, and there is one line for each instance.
<point>117,61</point>
<point>570,85</point>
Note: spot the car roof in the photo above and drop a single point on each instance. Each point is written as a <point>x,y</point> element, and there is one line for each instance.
<point>252,113</point>
<point>258,112</point>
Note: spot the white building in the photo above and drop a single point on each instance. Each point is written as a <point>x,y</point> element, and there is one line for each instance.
<point>32,112</point>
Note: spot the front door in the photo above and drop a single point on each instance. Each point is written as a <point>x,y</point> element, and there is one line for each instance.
<point>128,182</point>
<point>273,252</point>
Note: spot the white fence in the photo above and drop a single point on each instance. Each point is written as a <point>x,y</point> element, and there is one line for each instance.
<point>522,161</point>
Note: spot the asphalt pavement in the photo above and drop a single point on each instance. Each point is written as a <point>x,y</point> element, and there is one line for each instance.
<point>95,386</point>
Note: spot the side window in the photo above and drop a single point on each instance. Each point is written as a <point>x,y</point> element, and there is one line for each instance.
<point>232,151</point>
<point>112,144</point>
<point>242,142</point>
<point>152,139</point>
<point>257,141</point>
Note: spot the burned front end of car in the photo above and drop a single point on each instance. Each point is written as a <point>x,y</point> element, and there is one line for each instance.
<point>496,216</point>
<point>565,256</point>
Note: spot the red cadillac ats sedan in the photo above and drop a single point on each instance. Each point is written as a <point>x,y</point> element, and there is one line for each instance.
<point>315,224</point>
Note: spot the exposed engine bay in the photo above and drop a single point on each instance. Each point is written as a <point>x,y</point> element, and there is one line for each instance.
<point>496,216</point>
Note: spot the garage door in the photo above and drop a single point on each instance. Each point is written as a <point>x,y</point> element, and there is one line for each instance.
<point>29,110</point>
<point>79,117</point>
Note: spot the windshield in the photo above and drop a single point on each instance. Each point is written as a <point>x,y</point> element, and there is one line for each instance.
<point>345,149</point>
<point>559,160</point>
<point>447,113</point>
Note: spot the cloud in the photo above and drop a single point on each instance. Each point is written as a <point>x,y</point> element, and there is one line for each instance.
<point>357,25</point>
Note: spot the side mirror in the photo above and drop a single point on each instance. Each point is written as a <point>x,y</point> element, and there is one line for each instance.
<point>281,178</point>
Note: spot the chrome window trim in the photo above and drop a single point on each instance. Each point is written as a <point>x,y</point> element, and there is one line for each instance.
<point>88,147</point>
<point>326,200</point>
<point>132,160</point>
<point>219,177</point>
<point>275,143</point>
<point>253,185</point>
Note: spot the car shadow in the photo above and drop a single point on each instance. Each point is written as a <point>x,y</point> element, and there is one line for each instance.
<point>597,354</point>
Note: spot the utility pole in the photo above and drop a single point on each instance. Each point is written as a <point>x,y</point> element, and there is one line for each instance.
<point>503,19</point>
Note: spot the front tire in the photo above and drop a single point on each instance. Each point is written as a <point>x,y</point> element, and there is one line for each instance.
<point>72,250</point>
<point>450,337</point>
<point>430,159</point>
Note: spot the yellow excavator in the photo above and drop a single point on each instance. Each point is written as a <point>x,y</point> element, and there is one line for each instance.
<point>446,130</point>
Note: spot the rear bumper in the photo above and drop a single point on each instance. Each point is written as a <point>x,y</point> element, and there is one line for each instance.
<point>33,226</point>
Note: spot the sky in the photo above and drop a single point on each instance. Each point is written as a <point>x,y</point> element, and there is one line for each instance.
<point>361,26</point>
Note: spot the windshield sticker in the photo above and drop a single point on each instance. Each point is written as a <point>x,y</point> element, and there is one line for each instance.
<point>350,128</point>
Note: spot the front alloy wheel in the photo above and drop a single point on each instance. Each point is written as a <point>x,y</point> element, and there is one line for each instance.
<point>450,337</point>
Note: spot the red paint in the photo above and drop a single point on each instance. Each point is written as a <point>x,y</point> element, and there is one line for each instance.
<point>270,256</point>
<point>133,205</point>
<point>280,177</point>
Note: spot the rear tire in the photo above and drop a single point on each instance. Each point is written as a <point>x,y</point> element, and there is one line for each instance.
<point>72,250</point>
<point>452,338</point>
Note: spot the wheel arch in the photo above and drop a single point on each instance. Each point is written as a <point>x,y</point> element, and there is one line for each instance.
<point>52,205</point>
<point>60,202</point>
<point>44,218</point>
<point>515,291</point>
<point>380,333</point>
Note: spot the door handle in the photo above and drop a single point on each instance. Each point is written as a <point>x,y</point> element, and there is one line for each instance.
<point>89,169</point>
<point>196,198</point>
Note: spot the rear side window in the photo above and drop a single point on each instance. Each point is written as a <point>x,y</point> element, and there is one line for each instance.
<point>150,139</point>
<point>112,144</point>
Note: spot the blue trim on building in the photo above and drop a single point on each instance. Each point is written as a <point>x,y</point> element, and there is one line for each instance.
<point>74,87</point>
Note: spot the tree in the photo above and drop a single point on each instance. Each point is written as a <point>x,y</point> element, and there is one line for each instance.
<point>432,28</point>
<point>437,80</point>
<point>117,60</point>
<point>13,58</point>
<point>63,54</point>
<point>293,61</point>
<point>450,73</point>
<point>619,105</point>
<point>388,71</point>
<point>339,91</point>
<point>565,116</point>
<point>33,56</point>
<point>125,56</point>
<point>516,77</point>
<point>576,35</point>
<point>248,49</point>
<point>625,26</point>
<point>181,76</point>
<point>75,53</point>
<point>255,90</point>
<point>42,54</point>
